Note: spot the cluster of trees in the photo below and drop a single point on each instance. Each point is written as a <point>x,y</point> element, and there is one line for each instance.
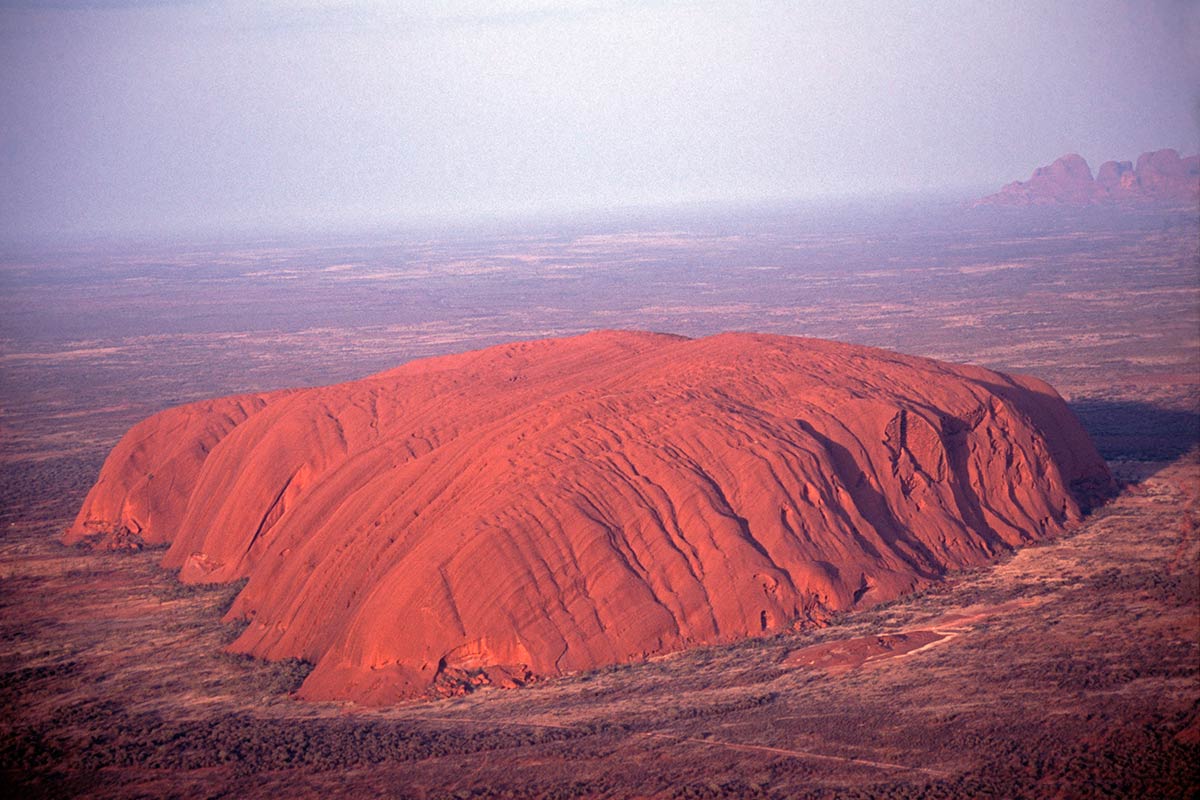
<point>100,735</point>
<point>1180,589</point>
<point>40,489</point>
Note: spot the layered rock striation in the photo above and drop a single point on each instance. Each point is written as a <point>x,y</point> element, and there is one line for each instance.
<point>555,505</point>
<point>1160,178</point>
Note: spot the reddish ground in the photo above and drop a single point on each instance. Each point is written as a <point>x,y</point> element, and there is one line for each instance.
<point>848,654</point>
<point>841,655</point>
<point>114,681</point>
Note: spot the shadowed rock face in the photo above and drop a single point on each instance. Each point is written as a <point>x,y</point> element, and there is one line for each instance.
<point>561,504</point>
<point>1160,178</point>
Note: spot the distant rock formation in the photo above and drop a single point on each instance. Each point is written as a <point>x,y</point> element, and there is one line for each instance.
<point>1160,178</point>
<point>556,505</point>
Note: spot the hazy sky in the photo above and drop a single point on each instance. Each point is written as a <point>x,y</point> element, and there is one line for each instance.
<point>133,115</point>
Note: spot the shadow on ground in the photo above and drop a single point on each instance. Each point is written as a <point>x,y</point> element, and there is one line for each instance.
<point>1138,431</point>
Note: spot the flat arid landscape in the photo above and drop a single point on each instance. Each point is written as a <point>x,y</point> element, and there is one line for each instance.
<point>1064,668</point>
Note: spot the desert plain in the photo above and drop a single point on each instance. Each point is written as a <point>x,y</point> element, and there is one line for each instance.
<point>1066,669</point>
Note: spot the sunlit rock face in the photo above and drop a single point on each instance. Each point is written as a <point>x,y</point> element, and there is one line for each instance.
<point>556,505</point>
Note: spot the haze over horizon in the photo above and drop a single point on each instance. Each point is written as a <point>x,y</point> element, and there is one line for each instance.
<point>156,116</point>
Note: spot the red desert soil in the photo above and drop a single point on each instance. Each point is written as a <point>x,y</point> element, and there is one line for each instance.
<point>555,505</point>
<point>835,657</point>
<point>844,655</point>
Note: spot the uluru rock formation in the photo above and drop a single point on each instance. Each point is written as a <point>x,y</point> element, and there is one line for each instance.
<point>556,505</point>
<point>1159,178</point>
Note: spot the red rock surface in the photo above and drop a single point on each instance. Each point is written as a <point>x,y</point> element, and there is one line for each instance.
<point>555,505</point>
<point>1159,178</point>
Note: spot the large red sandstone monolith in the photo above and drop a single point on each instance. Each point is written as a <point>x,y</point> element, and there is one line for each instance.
<point>561,504</point>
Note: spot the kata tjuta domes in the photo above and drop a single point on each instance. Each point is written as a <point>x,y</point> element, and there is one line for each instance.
<point>1160,178</point>
<point>555,505</point>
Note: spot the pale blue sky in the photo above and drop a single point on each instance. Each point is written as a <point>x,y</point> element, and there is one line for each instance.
<point>121,116</point>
